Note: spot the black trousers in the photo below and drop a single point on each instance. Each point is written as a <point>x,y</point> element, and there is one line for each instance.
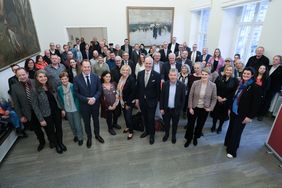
<point>148,114</point>
<point>111,118</point>
<point>233,135</point>
<point>171,114</point>
<point>36,127</point>
<point>127,113</point>
<point>266,103</point>
<point>50,129</point>
<point>200,115</point>
<point>86,116</point>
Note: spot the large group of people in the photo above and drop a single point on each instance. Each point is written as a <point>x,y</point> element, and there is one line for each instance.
<point>163,83</point>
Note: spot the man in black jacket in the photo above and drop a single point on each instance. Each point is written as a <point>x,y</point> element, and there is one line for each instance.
<point>148,91</point>
<point>171,103</point>
<point>259,59</point>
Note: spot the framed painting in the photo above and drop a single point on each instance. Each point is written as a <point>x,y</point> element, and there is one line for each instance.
<point>18,37</point>
<point>150,25</point>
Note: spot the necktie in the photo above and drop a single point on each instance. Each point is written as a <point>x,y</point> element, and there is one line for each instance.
<point>28,93</point>
<point>193,57</point>
<point>146,78</point>
<point>88,83</point>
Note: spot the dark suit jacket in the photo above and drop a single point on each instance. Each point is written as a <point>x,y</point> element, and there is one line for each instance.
<point>161,68</point>
<point>151,93</point>
<point>179,96</point>
<point>208,56</point>
<point>164,58</point>
<point>135,56</point>
<point>250,101</point>
<point>82,93</point>
<point>11,81</point>
<point>132,66</point>
<point>198,56</point>
<point>129,49</point>
<point>166,69</point>
<point>115,73</point>
<point>276,79</point>
<point>84,54</point>
<point>187,62</point>
<point>21,104</point>
<point>57,52</point>
<point>176,49</point>
<point>128,92</point>
<point>256,63</point>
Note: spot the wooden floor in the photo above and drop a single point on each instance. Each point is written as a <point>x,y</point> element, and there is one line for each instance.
<point>120,163</point>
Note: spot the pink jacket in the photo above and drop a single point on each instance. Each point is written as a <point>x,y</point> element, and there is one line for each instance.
<point>220,63</point>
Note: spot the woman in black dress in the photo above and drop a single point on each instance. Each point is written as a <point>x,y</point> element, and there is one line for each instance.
<point>29,66</point>
<point>226,86</point>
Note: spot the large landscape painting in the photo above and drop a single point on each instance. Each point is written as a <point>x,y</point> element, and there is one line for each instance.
<point>149,25</point>
<point>18,38</point>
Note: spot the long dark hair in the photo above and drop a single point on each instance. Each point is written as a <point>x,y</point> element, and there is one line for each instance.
<point>38,85</point>
<point>26,64</point>
<point>264,76</point>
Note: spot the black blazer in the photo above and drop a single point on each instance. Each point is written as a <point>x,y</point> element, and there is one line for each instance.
<point>164,58</point>
<point>161,68</point>
<point>249,102</point>
<point>208,56</point>
<point>82,93</point>
<point>198,56</point>
<point>256,63</point>
<point>276,79</point>
<point>84,54</point>
<point>115,73</point>
<point>129,49</point>
<point>151,93</point>
<point>128,92</point>
<point>187,62</point>
<point>166,68</point>
<point>135,56</point>
<point>176,49</point>
<point>179,96</point>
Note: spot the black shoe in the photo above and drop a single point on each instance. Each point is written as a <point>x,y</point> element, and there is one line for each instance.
<point>187,143</point>
<point>24,134</point>
<point>75,139</point>
<point>152,140</point>
<point>126,130</point>
<point>130,135</point>
<point>80,142</point>
<point>185,127</point>
<point>144,134</point>
<point>59,149</point>
<point>213,129</point>
<point>218,131</point>
<point>165,138</point>
<point>51,145</point>
<point>112,132</point>
<point>173,140</point>
<point>64,148</point>
<point>195,141</point>
<point>89,143</point>
<point>117,126</point>
<point>100,139</point>
<point>40,146</point>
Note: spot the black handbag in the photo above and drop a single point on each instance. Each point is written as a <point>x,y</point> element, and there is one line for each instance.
<point>137,122</point>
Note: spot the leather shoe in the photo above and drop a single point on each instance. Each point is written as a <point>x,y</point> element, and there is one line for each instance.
<point>126,130</point>
<point>40,146</point>
<point>59,149</point>
<point>213,129</point>
<point>75,139</point>
<point>130,135</point>
<point>152,140</point>
<point>80,142</point>
<point>100,139</point>
<point>89,143</point>
<point>51,145</point>
<point>117,126</point>
<point>112,132</point>
<point>187,143</point>
<point>195,141</point>
<point>218,131</point>
<point>144,134</point>
<point>173,140</point>
<point>64,148</point>
<point>165,138</point>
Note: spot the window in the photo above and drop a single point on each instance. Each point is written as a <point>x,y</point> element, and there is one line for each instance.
<point>203,27</point>
<point>250,27</point>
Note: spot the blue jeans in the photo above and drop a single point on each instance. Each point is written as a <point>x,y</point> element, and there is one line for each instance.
<point>15,120</point>
<point>75,124</point>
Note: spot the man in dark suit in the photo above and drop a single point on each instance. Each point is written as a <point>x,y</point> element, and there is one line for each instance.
<point>194,55</point>
<point>86,54</point>
<point>170,64</point>
<point>53,50</point>
<point>21,96</point>
<point>126,47</point>
<point>184,60</point>
<point>126,61</point>
<point>148,91</point>
<point>135,54</point>
<point>14,79</point>
<point>171,103</point>
<point>257,60</point>
<point>205,55</point>
<point>173,46</point>
<point>164,52</point>
<point>87,88</point>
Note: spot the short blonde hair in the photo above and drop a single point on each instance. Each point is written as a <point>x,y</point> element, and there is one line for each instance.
<point>226,67</point>
<point>125,67</point>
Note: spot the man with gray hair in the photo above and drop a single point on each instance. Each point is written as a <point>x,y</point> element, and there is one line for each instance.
<point>170,64</point>
<point>171,103</point>
<point>147,97</point>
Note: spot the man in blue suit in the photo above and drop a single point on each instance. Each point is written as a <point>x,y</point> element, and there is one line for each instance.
<point>148,93</point>
<point>87,87</point>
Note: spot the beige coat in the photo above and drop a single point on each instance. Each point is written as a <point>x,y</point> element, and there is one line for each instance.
<point>210,97</point>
